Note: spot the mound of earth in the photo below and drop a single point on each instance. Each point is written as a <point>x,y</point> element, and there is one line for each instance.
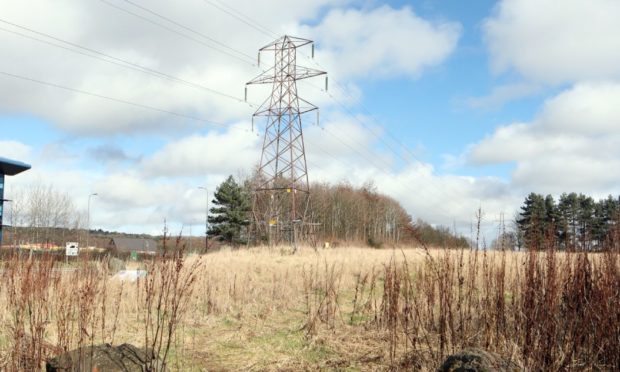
<point>123,358</point>
<point>477,360</point>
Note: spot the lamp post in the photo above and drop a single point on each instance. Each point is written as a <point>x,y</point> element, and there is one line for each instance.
<point>88,220</point>
<point>206,220</point>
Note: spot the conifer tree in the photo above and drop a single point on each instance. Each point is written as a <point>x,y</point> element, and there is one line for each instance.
<point>578,221</point>
<point>532,220</point>
<point>229,217</point>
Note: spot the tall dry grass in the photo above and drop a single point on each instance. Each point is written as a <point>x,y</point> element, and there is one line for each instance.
<point>369,309</point>
<point>50,308</point>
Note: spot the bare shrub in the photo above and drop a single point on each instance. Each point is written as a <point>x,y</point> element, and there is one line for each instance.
<point>321,295</point>
<point>546,312</point>
<point>28,286</point>
<point>164,296</point>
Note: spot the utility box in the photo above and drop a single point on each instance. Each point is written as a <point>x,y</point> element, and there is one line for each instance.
<point>72,249</point>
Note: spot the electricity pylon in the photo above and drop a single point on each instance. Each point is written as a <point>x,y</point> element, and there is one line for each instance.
<point>281,193</point>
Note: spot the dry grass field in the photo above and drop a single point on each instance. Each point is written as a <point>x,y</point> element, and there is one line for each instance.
<point>339,309</point>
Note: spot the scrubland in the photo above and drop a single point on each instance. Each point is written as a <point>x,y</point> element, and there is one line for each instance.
<point>336,309</point>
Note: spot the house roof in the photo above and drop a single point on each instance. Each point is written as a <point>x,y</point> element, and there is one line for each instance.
<point>134,244</point>
<point>12,167</point>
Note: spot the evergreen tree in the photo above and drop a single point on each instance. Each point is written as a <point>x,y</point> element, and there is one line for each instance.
<point>600,223</point>
<point>551,212</point>
<point>569,214</point>
<point>532,221</point>
<point>577,221</point>
<point>586,220</point>
<point>551,217</point>
<point>562,222</point>
<point>229,216</point>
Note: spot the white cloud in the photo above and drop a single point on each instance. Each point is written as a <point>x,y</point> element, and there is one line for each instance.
<point>130,190</point>
<point>215,152</point>
<point>502,94</point>
<point>340,133</point>
<point>440,199</point>
<point>389,41</point>
<point>587,109</point>
<point>139,200</point>
<point>382,42</point>
<point>565,172</point>
<point>15,150</point>
<point>379,42</point>
<point>447,199</point>
<point>106,29</point>
<point>127,201</point>
<point>573,144</point>
<point>553,42</point>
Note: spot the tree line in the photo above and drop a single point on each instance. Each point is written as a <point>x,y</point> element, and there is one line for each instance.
<point>41,214</point>
<point>574,222</point>
<point>339,213</point>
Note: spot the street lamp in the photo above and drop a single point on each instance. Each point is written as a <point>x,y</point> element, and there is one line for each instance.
<point>88,220</point>
<point>206,220</point>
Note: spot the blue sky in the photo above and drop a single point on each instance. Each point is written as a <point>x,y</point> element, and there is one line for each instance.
<point>491,100</point>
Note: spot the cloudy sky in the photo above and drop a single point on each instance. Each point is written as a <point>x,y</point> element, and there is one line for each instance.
<point>443,106</point>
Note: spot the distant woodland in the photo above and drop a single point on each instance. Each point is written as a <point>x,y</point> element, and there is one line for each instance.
<point>573,222</point>
<point>345,214</point>
<point>363,215</point>
<point>342,213</point>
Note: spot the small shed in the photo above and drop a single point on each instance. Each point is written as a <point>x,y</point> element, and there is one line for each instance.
<point>133,245</point>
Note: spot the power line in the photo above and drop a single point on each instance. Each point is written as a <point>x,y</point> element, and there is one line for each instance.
<point>244,60</point>
<point>354,145</point>
<point>247,20</point>
<point>141,68</point>
<point>234,56</point>
<point>113,60</point>
<point>349,113</point>
<point>371,130</point>
<point>138,68</point>
<point>252,23</point>
<point>377,135</point>
<point>361,122</point>
<point>188,29</point>
<point>367,112</point>
<point>113,99</point>
<point>349,164</point>
<point>152,108</point>
<point>241,17</point>
<point>382,169</point>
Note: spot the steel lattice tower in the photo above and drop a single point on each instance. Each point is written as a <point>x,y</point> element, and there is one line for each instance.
<point>281,192</point>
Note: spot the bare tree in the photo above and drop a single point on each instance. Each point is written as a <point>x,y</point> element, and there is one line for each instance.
<point>44,215</point>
